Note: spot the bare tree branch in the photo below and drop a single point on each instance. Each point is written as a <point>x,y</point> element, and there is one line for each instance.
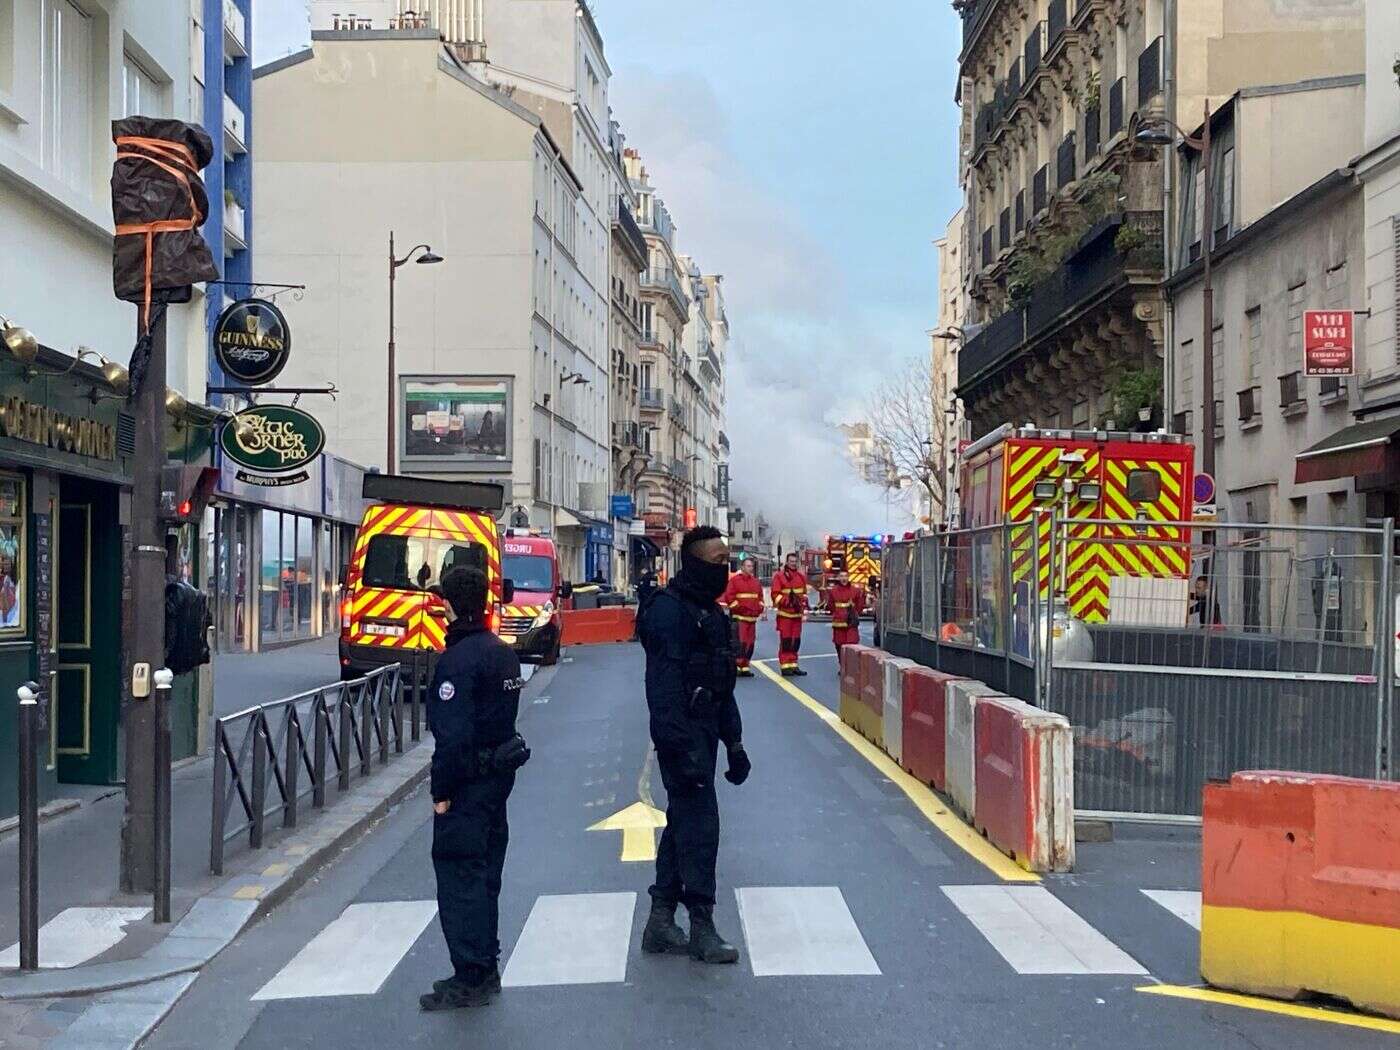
<point>908,442</point>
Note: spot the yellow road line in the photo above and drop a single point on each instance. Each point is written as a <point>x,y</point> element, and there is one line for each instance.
<point>929,804</point>
<point>1274,1006</point>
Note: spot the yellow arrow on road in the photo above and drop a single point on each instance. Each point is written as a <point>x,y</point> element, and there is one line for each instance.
<point>638,824</point>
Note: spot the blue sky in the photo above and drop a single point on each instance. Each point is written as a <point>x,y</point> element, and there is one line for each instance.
<point>807,151</point>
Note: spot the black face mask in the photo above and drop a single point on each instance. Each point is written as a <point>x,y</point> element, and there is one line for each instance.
<point>706,579</point>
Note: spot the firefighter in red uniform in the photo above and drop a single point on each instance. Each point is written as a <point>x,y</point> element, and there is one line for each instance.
<point>847,603</point>
<point>790,603</point>
<point>744,600</point>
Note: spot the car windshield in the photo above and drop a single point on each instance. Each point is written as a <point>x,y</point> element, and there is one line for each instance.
<point>529,572</point>
<point>415,563</point>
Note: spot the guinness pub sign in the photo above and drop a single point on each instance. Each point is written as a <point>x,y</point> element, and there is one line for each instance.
<point>252,341</point>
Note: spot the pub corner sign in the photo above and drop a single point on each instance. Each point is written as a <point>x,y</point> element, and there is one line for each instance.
<point>273,443</point>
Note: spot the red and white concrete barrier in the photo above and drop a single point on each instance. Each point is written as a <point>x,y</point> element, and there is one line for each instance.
<point>892,718</point>
<point>1024,783</point>
<point>925,742</point>
<point>961,747</point>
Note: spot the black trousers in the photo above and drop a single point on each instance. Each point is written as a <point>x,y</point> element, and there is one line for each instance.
<point>685,859</point>
<point>469,853</point>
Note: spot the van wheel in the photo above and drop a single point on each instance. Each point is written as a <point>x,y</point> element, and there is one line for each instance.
<point>552,656</point>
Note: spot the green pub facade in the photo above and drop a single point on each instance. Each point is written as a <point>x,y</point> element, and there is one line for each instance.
<point>66,462</point>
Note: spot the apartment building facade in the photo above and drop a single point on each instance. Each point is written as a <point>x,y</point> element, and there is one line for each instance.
<point>1066,238</point>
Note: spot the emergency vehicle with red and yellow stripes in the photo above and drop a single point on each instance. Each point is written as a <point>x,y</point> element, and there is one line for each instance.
<point>1089,481</point>
<point>413,532</point>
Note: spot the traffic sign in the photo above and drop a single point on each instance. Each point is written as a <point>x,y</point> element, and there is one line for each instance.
<point>1203,512</point>
<point>1203,490</point>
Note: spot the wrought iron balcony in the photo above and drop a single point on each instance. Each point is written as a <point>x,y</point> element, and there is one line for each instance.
<point>1034,49</point>
<point>1055,23</point>
<point>1290,390</point>
<point>1065,169</point>
<point>652,399</point>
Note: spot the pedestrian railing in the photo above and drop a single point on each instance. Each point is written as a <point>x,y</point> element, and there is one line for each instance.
<point>270,757</point>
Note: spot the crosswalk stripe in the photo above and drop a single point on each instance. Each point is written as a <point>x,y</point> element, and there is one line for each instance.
<point>1037,933</point>
<point>1184,904</point>
<point>355,954</point>
<point>802,931</point>
<point>573,938</point>
<point>75,935</point>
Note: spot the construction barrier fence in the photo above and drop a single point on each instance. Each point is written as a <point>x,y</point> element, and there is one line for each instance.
<point>1207,650</point>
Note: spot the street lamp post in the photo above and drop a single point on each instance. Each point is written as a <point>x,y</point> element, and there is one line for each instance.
<point>1158,135</point>
<point>427,259</point>
<point>959,334</point>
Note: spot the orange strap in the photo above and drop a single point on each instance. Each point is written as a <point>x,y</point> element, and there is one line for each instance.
<point>180,157</point>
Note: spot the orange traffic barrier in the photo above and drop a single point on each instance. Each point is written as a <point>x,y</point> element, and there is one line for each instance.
<point>850,685</point>
<point>1025,783</point>
<point>614,623</point>
<point>1300,887</point>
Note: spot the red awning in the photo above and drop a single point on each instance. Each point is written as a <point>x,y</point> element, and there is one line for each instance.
<point>1356,451</point>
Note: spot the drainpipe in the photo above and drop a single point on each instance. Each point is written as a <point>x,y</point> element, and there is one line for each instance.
<point>1169,46</point>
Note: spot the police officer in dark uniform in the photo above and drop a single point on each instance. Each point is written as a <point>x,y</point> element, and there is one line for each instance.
<point>472,705</point>
<point>690,696</point>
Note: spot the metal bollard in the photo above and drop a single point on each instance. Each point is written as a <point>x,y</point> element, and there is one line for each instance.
<point>28,826</point>
<point>164,678</point>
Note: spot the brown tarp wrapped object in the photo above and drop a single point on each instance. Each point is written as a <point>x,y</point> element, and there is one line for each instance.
<point>158,205</point>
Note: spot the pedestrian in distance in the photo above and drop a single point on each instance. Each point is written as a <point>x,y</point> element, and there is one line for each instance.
<point>744,600</point>
<point>1204,610</point>
<point>790,604</point>
<point>473,701</point>
<point>690,678</point>
<point>847,603</point>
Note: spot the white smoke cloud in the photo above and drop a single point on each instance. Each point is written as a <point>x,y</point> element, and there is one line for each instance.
<point>802,354</point>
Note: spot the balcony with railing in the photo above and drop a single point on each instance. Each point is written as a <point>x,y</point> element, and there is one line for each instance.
<point>1040,190</point>
<point>1093,270</point>
<point>235,127</point>
<point>1065,170</point>
<point>709,359</point>
<point>627,433</point>
<point>1013,82</point>
<point>1115,105</point>
<point>664,279</point>
<point>235,32</point>
<point>1291,394</point>
<point>680,469</point>
<point>1149,73</point>
<point>652,399</point>
<point>1004,229</point>
<point>631,232</point>
<point>1332,388</point>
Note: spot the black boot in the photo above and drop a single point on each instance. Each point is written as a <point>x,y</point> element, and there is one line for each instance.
<point>458,992</point>
<point>493,981</point>
<point>797,672</point>
<point>706,945</point>
<point>662,936</point>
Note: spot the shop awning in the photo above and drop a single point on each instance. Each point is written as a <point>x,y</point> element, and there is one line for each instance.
<point>645,547</point>
<point>563,519</point>
<point>1354,451</point>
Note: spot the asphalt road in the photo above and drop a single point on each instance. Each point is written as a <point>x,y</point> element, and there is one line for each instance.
<point>862,926</point>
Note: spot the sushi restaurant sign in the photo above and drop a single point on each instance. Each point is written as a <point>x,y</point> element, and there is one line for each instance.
<point>36,424</point>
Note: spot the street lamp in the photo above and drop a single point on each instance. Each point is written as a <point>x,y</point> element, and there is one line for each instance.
<point>428,258</point>
<point>1160,135</point>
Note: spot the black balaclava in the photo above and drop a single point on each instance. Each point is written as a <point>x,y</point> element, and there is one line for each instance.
<point>704,579</point>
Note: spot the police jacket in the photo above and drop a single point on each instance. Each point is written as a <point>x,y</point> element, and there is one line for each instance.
<point>472,705</point>
<point>688,649</point>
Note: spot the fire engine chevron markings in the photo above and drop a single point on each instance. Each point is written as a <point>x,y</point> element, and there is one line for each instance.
<point>638,823</point>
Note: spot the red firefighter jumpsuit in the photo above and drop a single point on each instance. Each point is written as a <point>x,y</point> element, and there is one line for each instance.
<point>744,600</point>
<point>847,603</point>
<point>790,603</point>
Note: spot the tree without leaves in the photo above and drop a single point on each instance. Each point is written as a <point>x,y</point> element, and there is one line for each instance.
<point>907,443</point>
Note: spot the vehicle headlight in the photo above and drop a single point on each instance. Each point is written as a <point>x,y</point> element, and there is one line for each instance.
<point>545,614</point>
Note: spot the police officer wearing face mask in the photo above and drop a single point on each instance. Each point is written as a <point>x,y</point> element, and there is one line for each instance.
<point>472,706</point>
<point>690,696</point>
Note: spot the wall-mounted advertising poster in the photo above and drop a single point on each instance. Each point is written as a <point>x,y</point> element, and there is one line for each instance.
<point>456,422</point>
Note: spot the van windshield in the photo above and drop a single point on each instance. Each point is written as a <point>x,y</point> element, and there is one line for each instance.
<point>415,563</point>
<point>529,572</point>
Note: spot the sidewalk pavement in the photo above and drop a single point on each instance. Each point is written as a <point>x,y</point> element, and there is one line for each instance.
<point>78,858</point>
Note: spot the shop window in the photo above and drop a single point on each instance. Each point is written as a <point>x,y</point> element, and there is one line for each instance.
<point>13,578</point>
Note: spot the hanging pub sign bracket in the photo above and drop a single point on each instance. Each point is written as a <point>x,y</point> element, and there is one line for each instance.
<point>266,289</point>
<point>329,390</point>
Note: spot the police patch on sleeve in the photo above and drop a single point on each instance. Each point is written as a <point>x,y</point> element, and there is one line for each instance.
<point>446,691</point>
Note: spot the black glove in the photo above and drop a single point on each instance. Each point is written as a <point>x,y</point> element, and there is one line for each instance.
<point>511,755</point>
<point>739,765</point>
